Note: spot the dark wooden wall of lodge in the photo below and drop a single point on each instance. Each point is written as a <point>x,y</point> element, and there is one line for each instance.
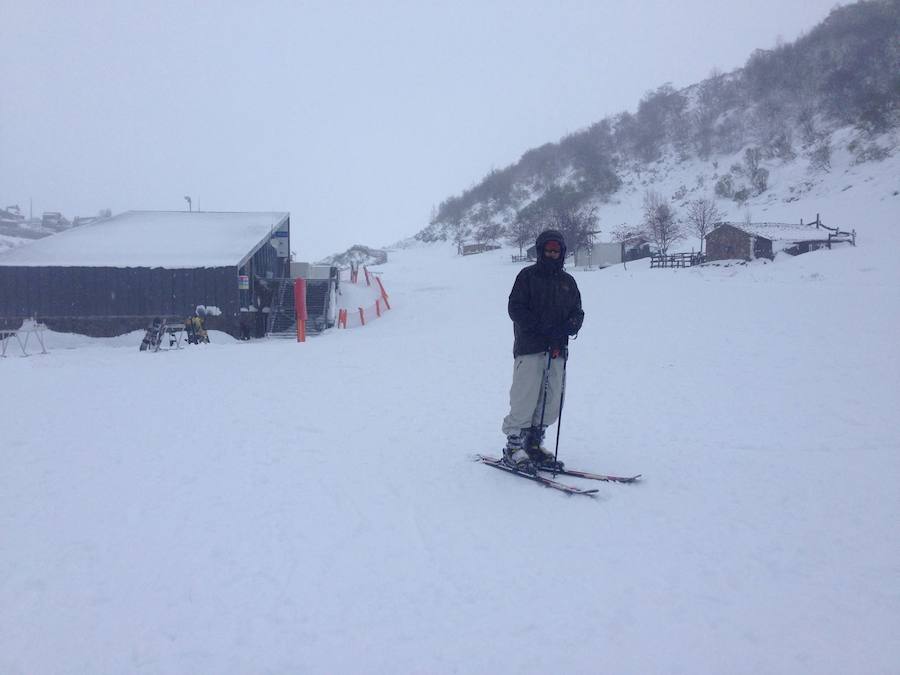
<point>103,301</point>
<point>762,248</point>
<point>727,243</point>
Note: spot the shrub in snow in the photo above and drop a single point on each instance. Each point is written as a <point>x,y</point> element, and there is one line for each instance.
<point>725,186</point>
<point>820,157</point>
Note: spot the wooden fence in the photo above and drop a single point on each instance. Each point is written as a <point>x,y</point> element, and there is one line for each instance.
<point>472,249</point>
<point>675,260</point>
<point>835,234</point>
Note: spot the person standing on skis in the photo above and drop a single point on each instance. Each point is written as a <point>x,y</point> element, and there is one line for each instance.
<point>545,307</point>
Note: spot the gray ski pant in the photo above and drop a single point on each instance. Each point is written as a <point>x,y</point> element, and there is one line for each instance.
<point>526,393</point>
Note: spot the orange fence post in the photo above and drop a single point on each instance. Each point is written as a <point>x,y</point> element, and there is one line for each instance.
<point>362,316</point>
<point>378,307</point>
<point>368,279</point>
<point>300,308</point>
<point>383,292</point>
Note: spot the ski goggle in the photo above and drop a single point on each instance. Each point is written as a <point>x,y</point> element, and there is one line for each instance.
<point>552,247</point>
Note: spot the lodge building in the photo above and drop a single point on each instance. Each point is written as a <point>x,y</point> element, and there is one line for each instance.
<point>115,275</point>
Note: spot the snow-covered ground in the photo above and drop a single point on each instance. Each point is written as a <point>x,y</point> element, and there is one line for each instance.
<point>7,242</point>
<point>271,507</point>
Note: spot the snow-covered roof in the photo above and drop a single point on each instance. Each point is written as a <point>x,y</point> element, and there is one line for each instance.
<point>172,239</point>
<point>781,231</point>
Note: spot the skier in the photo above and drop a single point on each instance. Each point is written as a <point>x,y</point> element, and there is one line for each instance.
<point>189,330</point>
<point>545,307</point>
<point>198,324</point>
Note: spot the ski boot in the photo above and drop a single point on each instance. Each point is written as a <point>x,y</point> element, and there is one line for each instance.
<point>541,457</point>
<point>515,456</point>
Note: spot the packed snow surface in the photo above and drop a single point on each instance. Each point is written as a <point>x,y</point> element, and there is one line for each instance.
<point>274,507</point>
<point>152,239</point>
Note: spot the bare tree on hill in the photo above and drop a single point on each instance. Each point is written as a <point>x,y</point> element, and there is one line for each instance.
<point>660,221</point>
<point>459,231</point>
<point>701,216</point>
<point>559,208</point>
<point>576,225</point>
<point>489,233</point>
<point>626,234</point>
<point>521,233</point>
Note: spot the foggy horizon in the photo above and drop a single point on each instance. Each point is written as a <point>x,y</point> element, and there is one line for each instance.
<point>356,118</point>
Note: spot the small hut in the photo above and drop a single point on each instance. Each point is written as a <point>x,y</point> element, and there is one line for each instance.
<point>603,254</point>
<point>748,241</point>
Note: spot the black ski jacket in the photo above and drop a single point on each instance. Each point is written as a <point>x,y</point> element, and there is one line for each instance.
<point>544,304</point>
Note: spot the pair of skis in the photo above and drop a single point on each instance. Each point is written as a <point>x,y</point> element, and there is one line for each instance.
<point>556,485</point>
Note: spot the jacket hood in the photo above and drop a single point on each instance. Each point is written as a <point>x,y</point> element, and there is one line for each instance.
<point>543,238</point>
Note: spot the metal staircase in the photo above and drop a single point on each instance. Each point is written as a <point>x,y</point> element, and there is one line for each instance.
<point>282,321</point>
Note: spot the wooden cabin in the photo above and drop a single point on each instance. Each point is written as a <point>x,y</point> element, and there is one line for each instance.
<point>748,241</point>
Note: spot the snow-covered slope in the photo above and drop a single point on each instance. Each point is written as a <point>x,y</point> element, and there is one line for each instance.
<point>273,507</point>
<point>7,242</point>
<point>844,194</point>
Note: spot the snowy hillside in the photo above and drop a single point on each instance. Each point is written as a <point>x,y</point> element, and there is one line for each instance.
<point>270,507</point>
<point>791,113</point>
<point>797,188</point>
<point>356,256</point>
<point>796,191</point>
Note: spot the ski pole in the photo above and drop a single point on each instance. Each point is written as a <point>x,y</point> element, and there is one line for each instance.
<point>562,397</point>
<point>545,386</point>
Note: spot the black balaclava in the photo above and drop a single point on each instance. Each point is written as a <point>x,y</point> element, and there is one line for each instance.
<point>546,263</point>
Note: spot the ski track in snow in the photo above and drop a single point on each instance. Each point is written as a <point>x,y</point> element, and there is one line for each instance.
<point>271,507</point>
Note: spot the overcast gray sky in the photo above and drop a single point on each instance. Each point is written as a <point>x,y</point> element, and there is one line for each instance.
<point>357,117</point>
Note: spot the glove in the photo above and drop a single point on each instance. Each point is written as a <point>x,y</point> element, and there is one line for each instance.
<point>572,325</point>
<point>557,345</point>
<point>557,351</point>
